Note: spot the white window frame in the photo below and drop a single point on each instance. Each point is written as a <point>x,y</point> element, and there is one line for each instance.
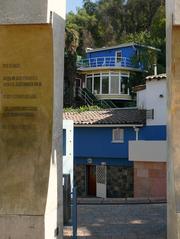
<point>121,136</point>
<point>110,76</point>
<point>97,76</point>
<point>92,77</point>
<point>118,61</point>
<point>105,75</point>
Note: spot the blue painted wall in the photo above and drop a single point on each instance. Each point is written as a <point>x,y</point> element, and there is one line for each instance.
<point>126,52</point>
<point>97,142</point>
<point>123,162</point>
<point>153,133</point>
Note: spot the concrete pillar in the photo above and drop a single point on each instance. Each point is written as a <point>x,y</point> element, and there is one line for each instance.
<point>31,101</point>
<point>173,76</point>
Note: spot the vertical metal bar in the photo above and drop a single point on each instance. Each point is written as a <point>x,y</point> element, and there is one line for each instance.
<point>74,213</point>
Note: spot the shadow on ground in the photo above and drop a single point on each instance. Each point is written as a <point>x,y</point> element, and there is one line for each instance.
<point>136,221</point>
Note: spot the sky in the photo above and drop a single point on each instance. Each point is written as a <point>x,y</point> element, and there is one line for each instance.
<point>73,4</point>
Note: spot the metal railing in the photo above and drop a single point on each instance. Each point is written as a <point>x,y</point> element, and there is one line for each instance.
<point>105,62</point>
<point>85,96</point>
<point>150,114</point>
<point>70,205</point>
<point>91,99</point>
<point>74,212</point>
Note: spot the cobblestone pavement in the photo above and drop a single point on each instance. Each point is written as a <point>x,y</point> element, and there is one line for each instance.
<point>134,221</point>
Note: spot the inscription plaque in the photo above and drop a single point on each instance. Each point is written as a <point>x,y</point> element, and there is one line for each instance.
<point>26,83</point>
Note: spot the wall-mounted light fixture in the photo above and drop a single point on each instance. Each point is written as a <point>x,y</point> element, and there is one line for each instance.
<point>89,161</point>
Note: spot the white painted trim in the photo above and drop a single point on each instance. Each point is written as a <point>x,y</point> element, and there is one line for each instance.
<point>97,69</point>
<point>68,164</point>
<point>119,83</point>
<point>100,83</point>
<point>117,142</point>
<point>86,81</point>
<point>109,74</point>
<point>121,131</point>
<point>93,83</point>
<point>119,51</point>
<point>109,82</point>
<point>137,133</point>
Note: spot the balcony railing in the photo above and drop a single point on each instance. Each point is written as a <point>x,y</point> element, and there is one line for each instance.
<point>105,62</point>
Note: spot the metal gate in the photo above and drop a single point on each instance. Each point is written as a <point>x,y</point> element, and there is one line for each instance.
<point>101,181</point>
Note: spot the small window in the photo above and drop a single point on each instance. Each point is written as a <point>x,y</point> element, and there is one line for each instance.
<point>118,56</point>
<point>118,135</point>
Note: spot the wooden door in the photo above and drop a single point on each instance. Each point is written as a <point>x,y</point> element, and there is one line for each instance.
<point>91,177</point>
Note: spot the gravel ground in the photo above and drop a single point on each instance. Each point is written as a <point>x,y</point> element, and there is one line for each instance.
<point>133,221</point>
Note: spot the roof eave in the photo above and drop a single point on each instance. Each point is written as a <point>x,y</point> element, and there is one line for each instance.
<point>123,45</point>
<point>108,125</point>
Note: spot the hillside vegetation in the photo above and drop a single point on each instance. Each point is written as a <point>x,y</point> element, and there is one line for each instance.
<point>111,22</point>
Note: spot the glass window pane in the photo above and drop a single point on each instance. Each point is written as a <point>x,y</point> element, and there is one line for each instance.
<point>124,85</point>
<point>97,85</point>
<point>118,56</point>
<point>114,84</point>
<point>89,84</point>
<point>105,84</point>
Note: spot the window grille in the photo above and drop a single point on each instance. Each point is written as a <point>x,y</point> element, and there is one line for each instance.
<point>101,174</point>
<point>150,114</point>
<point>118,135</point>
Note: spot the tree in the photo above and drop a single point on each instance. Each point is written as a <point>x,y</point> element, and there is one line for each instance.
<point>90,7</point>
<point>158,33</point>
<point>139,14</point>
<point>71,45</point>
<point>108,23</point>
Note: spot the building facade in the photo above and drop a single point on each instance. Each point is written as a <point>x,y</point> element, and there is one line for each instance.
<point>108,73</point>
<point>101,160</point>
<point>122,152</point>
<point>149,154</point>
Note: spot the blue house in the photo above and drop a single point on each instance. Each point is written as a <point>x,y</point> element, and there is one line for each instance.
<point>122,152</point>
<point>106,72</point>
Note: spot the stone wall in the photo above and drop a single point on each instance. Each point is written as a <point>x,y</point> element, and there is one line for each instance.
<point>80,179</point>
<point>149,180</point>
<point>119,181</point>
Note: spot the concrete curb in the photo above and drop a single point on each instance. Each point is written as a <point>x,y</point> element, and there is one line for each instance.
<point>120,200</point>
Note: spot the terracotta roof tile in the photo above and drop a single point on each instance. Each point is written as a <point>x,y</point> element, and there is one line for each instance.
<point>139,88</point>
<point>156,77</point>
<point>106,117</point>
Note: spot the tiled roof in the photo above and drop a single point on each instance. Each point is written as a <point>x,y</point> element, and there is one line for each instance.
<point>107,117</point>
<point>122,45</point>
<point>139,88</point>
<point>156,77</point>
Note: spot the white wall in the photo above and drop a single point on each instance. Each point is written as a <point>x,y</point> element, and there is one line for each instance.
<point>150,99</point>
<point>148,151</point>
<point>54,206</point>
<point>141,99</point>
<point>68,159</point>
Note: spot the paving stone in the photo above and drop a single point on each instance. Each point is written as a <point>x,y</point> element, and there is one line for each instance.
<point>130,221</point>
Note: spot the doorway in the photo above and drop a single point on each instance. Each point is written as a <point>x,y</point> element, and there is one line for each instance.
<point>91,180</point>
